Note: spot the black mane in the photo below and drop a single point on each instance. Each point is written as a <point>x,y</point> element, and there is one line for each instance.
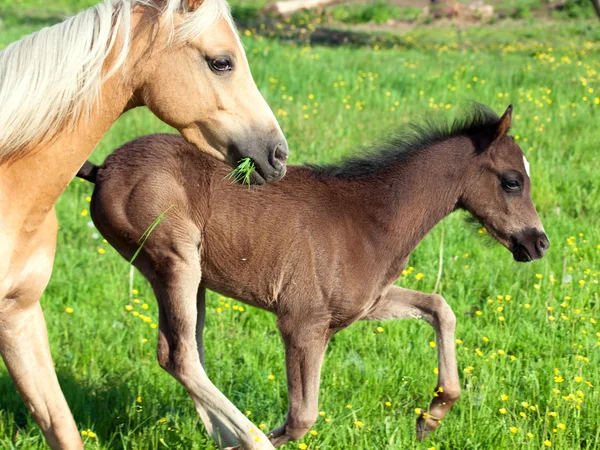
<point>411,139</point>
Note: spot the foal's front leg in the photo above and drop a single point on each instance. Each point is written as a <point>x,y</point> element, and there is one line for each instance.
<point>406,304</point>
<point>305,344</point>
<point>201,311</point>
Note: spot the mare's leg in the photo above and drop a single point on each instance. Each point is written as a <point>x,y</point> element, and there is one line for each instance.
<point>24,340</point>
<point>305,344</point>
<point>201,308</point>
<point>406,304</point>
<point>175,279</point>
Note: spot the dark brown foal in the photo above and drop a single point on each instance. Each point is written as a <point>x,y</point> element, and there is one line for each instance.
<point>321,249</point>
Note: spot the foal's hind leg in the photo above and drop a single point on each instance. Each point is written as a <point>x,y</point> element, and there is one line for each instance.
<point>175,281</point>
<point>406,304</point>
<point>305,344</point>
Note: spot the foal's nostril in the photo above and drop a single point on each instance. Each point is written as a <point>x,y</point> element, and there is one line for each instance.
<point>543,244</point>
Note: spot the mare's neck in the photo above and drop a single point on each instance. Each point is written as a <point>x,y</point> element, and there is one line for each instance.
<point>35,180</point>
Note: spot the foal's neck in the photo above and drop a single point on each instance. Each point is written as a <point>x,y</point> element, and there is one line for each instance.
<point>417,193</point>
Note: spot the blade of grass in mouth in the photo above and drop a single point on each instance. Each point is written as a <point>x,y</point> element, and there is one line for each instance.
<point>241,174</point>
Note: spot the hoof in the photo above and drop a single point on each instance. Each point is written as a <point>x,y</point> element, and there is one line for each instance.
<point>426,426</point>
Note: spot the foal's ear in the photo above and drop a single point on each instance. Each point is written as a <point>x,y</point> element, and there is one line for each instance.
<point>504,124</point>
<point>193,5</point>
<point>489,141</point>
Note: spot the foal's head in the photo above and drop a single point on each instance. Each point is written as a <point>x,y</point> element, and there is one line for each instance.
<point>198,81</point>
<point>497,192</point>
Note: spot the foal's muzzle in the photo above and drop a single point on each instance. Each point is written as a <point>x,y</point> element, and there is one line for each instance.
<point>529,245</point>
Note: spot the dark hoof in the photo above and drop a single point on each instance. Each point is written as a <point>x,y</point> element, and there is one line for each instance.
<point>425,426</point>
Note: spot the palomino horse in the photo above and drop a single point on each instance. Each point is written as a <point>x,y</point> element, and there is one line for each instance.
<point>60,91</point>
<point>348,232</point>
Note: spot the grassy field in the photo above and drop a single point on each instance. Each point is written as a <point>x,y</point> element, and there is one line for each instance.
<point>527,335</point>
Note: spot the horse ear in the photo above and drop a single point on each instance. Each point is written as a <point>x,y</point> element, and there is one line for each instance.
<point>193,5</point>
<point>497,131</point>
<point>504,124</point>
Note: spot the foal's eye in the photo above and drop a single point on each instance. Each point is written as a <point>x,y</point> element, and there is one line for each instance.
<point>510,185</point>
<point>221,64</point>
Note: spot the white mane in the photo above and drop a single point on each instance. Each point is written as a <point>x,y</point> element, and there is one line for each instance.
<point>54,77</point>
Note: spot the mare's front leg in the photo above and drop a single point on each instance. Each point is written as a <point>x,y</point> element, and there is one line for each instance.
<point>24,337</point>
<point>175,277</point>
<point>305,343</point>
<point>406,304</point>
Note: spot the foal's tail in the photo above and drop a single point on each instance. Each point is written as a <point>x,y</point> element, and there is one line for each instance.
<point>88,172</point>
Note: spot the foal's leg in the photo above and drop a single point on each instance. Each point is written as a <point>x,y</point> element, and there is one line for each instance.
<point>24,341</point>
<point>176,289</point>
<point>201,308</point>
<point>305,345</point>
<point>406,304</point>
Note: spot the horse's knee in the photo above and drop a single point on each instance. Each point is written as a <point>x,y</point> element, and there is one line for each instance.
<point>298,426</point>
<point>18,301</point>
<point>442,312</point>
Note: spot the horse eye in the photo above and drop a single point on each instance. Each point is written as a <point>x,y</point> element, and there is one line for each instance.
<point>221,64</point>
<point>510,185</point>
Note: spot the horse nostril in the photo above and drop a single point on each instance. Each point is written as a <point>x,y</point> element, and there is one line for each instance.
<point>543,244</point>
<point>281,153</point>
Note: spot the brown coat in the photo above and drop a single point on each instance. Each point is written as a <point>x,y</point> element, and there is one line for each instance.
<point>322,248</point>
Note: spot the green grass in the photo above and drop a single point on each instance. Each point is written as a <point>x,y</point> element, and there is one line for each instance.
<point>378,11</point>
<point>329,101</point>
